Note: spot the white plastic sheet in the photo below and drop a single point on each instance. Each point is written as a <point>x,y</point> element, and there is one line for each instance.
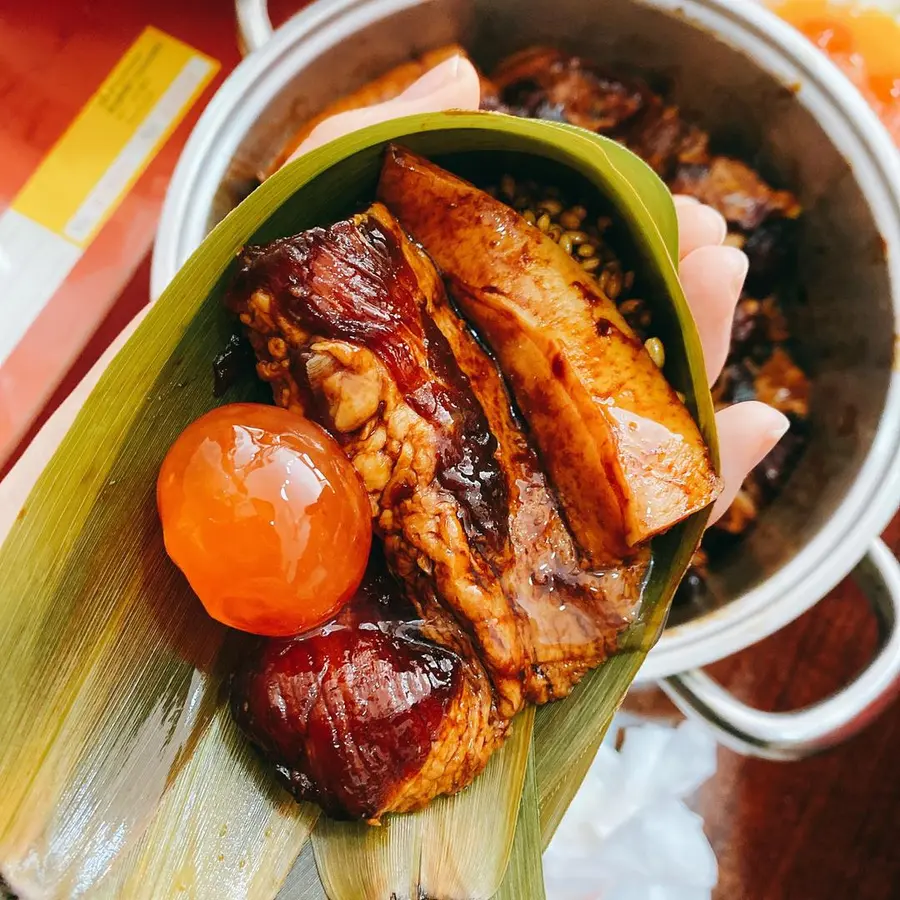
<point>629,834</point>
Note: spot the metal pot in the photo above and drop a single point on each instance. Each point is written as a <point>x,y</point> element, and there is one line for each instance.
<point>744,74</point>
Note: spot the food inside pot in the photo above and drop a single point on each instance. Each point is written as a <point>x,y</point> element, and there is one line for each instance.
<point>860,38</point>
<point>517,457</point>
<point>548,83</point>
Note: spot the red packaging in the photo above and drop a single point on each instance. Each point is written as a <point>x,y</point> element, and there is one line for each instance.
<point>97,102</point>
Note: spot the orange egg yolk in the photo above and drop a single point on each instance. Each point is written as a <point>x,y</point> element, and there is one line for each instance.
<point>266,517</point>
<point>863,41</point>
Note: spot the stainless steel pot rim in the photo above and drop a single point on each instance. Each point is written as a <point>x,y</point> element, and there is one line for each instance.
<point>875,495</point>
<point>844,116</point>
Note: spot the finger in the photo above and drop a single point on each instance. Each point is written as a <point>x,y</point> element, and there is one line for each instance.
<point>712,278</point>
<point>453,84</point>
<point>747,432</point>
<point>698,225</point>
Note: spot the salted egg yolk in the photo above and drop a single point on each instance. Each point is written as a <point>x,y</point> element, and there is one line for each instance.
<point>266,517</point>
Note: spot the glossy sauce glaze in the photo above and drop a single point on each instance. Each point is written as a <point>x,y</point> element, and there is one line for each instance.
<point>351,282</point>
<point>538,614</point>
<point>572,614</point>
<point>349,712</point>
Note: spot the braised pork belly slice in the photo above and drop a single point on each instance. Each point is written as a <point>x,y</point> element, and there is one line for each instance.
<point>366,716</point>
<point>351,325</point>
<point>621,449</point>
<point>544,82</point>
<point>568,615</point>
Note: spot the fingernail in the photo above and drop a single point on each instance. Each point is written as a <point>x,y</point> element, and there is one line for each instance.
<point>779,429</point>
<point>778,424</point>
<point>448,70</point>
<point>717,223</point>
<point>736,264</point>
<point>685,200</point>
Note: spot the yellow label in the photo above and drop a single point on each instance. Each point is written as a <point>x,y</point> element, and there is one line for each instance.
<point>82,180</point>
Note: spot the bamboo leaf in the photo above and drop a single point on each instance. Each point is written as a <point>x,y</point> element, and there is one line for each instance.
<point>110,661</point>
<point>224,829</point>
<point>567,736</point>
<point>368,863</point>
<point>525,875</point>
<point>478,859</point>
<point>101,708</point>
<point>457,848</point>
<point>303,882</point>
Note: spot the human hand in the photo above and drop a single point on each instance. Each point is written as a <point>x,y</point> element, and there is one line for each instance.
<point>712,276</point>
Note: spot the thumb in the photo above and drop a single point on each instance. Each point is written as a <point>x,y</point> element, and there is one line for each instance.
<point>453,84</point>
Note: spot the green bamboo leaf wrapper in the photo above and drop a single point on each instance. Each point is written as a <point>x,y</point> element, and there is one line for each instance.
<point>524,876</point>
<point>114,671</point>
<point>224,829</point>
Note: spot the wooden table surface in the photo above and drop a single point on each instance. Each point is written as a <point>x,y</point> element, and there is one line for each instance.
<point>825,828</point>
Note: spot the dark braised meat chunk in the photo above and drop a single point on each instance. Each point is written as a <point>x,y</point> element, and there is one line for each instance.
<point>365,716</point>
<point>351,325</point>
<point>545,83</point>
<point>736,191</point>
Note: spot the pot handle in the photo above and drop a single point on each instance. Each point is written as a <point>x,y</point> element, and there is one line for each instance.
<point>794,735</point>
<point>253,24</point>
